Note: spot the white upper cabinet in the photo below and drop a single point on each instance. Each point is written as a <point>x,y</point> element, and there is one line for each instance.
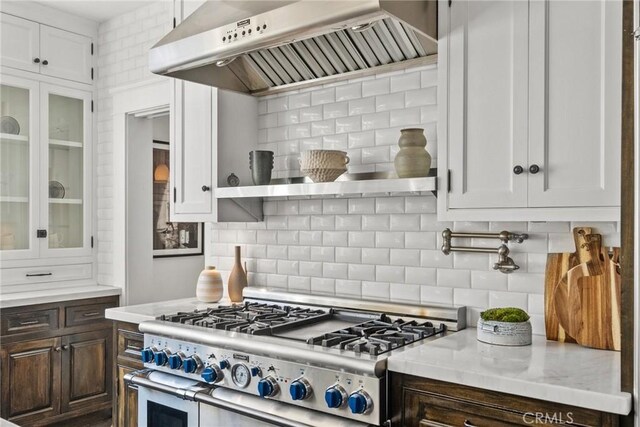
<point>529,98</point>
<point>38,48</point>
<point>212,134</point>
<point>488,94</point>
<point>575,103</point>
<point>20,43</point>
<point>68,55</point>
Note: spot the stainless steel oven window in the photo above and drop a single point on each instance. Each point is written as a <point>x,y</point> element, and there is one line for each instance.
<point>163,416</point>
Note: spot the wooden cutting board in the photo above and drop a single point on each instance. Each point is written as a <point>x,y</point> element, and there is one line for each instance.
<point>582,294</point>
<point>558,264</point>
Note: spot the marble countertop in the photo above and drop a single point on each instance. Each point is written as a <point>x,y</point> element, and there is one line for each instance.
<point>44,296</point>
<point>546,370</point>
<point>150,311</point>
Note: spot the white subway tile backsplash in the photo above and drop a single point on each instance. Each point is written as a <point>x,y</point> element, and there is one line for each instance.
<point>418,98</point>
<point>389,205</point>
<point>334,270</point>
<point>348,125</point>
<point>362,106</point>
<point>404,222</point>
<point>375,121</point>
<point>299,100</point>
<point>509,299</point>
<point>349,255</point>
<point>375,256</point>
<point>311,114</point>
<point>404,292</point>
<point>335,206</point>
<point>361,272</point>
<point>471,297</point>
<point>348,222</point>
<point>405,82</point>
<point>360,139</point>
<point>323,286</point>
<point>323,96</point>
<point>405,117</point>
<point>529,283</point>
<point>454,278</point>
<point>376,290</point>
<point>339,109</point>
<point>322,253</point>
<point>392,101</point>
<point>349,91</point>
<point>334,238</point>
<point>323,222</point>
<point>311,238</point>
<point>406,257</point>
<point>299,284</point>
<point>375,222</point>
<point>390,239</point>
<point>312,206</point>
<point>362,206</point>
<point>389,273</point>
<point>350,288</point>
<point>325,127</point>
<point>420,240</point>
<point>310,268</point>
<point>375,87</point>
<point>362,239</point>
<point>436,295</point>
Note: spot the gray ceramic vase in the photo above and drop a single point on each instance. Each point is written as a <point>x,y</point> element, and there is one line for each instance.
<point>261,165</point>
<point>413,160</point>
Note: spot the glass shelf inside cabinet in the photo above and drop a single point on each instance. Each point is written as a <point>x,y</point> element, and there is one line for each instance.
<point>14,168</point>
<point>66,186</point>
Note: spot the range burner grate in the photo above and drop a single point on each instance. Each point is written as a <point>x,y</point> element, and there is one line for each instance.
<point>378,336</point>
<point>250,318</point>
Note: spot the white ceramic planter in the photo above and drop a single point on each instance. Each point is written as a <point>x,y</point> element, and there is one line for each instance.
<point>504,333</point>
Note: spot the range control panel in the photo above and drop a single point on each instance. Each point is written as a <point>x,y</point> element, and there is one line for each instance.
<point>338,393</point>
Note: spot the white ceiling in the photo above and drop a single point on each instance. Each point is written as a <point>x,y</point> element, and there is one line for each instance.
<point>96,10</point>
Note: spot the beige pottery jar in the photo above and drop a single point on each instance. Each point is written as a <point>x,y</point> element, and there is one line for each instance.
<point>413,160</point>
<point>209,287</point>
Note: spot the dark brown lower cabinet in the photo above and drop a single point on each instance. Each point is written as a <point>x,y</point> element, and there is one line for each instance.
<point>420,402</point>
<point>58,372</point>
<point>129,342</point>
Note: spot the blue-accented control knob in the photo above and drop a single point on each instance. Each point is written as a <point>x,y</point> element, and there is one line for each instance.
<point>147,355</point>
<point>255,371</point>
<point>212,374</point>
<point>160,357</point>
<point>359,402</point>
<point>335,396</point>
<point>191,364</point>
<point>267,387</point>
<point>224,364</point>
<point>297,390</point>
<point>175,361</point>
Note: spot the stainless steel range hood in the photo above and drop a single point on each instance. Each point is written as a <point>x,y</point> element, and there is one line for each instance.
<point>262,47</point>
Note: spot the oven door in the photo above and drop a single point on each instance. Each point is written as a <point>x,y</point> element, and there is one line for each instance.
<point>160,408</point>
<point>181,402</point>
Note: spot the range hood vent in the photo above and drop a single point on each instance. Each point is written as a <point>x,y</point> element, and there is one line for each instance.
<point>266,47</point>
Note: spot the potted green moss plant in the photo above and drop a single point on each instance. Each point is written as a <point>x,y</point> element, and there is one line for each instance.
<point>504,326</point>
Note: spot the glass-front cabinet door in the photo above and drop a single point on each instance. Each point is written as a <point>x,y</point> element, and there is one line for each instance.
<point>66,125</point>
<point>19,155</point>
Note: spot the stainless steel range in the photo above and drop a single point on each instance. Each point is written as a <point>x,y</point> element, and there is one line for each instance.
<point>280,359</point>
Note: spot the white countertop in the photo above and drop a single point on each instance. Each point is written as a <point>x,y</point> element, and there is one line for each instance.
<point>142,312</point>
<point>546,370</point>
<point>44,296</point>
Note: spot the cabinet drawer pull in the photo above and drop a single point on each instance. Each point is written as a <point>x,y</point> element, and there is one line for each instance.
<point>518,169</point>
<point>534,169</point>
<point>134,348</point>
<point>467,423</point>
<point>91,314</point>
<point>429,423</point>
<point>45,62</point>
<point>36,60</point>
<point>39,274</point>
<point>29,322</point>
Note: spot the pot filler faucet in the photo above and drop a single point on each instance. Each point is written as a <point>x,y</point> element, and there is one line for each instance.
<point>505,264</point>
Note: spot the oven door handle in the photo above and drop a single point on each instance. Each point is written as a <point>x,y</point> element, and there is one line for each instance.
<point>141,378</point>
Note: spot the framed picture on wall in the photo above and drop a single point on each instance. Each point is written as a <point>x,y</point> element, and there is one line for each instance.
<point>170,239</point>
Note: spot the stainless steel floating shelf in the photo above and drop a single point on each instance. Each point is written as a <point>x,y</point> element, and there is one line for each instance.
<point>344,187</point>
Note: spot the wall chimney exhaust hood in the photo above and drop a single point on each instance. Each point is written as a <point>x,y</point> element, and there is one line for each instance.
<point>263,47</point>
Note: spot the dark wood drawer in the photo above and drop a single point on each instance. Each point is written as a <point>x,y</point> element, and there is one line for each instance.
<point>83,314</point>
<point>22,322</point>
<point>130,344</point>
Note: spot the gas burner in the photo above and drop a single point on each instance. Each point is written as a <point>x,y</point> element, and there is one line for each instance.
<point>378,336</point>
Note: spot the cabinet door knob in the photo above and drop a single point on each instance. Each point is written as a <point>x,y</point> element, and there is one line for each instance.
<point>65,347</point>
<point>518,170</point>
<point>36,60</point>
<point>534,169</point>
<point>205,188</point>
<point>45,62</point>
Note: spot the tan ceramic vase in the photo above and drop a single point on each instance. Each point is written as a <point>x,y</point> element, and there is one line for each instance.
<point>237,279</point>
<point>209,287</point>
<point>413,160</point>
